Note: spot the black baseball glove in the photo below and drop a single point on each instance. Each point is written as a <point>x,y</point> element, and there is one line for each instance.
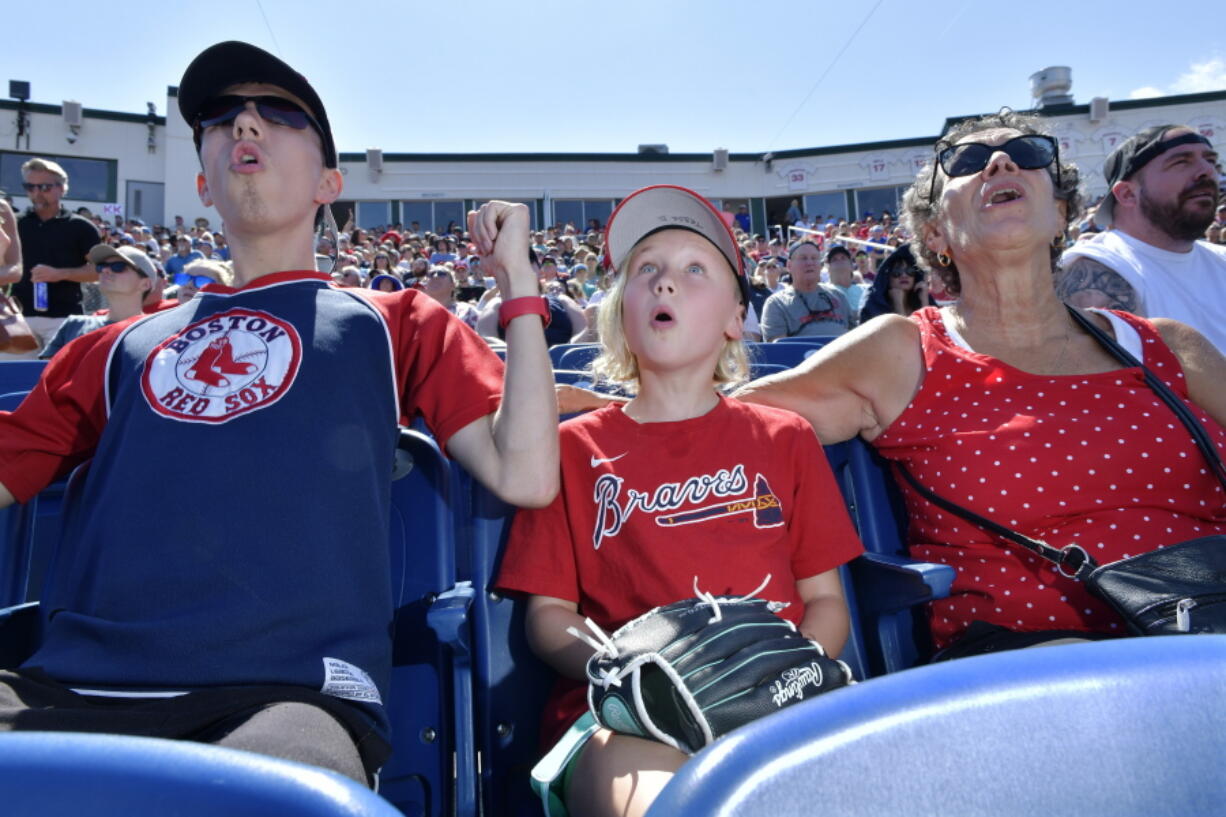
<point>692,671</point>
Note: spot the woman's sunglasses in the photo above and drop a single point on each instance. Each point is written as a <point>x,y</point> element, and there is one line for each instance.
<point>222,110</point>
<point>198,281</point>
<point>1029,152</point>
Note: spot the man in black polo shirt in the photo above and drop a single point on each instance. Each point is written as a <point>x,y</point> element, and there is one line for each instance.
<point>54,244</point>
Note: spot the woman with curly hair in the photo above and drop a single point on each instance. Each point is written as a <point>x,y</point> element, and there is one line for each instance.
<point>1003,403</point>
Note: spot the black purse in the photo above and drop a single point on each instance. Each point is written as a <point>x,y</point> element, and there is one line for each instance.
<point>1180,588</point>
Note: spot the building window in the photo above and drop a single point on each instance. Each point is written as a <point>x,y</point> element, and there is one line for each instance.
<point>580,211</point>
<point>531,208</point>
<point>431,216</point>
<point>88,179</point>
<point>372,214</point>
<point>823,207</point>
<point>879,200</point>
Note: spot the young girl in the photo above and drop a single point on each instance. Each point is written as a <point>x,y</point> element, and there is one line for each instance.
<point>678,486</point>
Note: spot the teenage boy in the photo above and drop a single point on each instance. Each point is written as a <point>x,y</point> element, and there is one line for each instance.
<point>258,616</point>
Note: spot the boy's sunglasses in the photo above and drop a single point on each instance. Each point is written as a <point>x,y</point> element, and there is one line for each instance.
<point>44,187</point>
<point>222,110</point>
<point>1029,152</point>
<point>199,281</point>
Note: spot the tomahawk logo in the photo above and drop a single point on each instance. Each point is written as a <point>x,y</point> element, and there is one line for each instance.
<point>762,505</point>
<point>223,366</point>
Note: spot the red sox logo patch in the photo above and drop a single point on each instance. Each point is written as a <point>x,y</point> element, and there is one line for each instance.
<point>224,366</point>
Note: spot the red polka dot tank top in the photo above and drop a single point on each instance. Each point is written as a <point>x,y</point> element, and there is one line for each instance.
<point>1096,459</point>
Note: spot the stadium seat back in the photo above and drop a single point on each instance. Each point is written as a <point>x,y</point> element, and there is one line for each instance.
<point>11,400</point>
<point>579,356</point>
<point>511,683</point>
<point>557,352</point>
<point>1124,726</point>
<point>429,683</point>
<point>887,585</point>
<point>63,773</point>
<point>20,375</point>
<point>784,354</point>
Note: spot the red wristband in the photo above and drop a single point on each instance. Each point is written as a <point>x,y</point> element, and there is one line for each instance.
<point>529,305</point>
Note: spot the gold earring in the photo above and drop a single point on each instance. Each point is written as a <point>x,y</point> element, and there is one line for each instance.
<point>944,260</point>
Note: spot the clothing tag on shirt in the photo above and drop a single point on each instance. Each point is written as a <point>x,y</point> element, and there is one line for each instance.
<point>344,680</point>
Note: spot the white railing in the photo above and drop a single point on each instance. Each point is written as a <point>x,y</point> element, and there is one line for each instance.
<point>843,238</point>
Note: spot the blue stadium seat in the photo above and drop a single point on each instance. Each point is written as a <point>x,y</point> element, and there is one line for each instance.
<point>57,774</point>
<point>573,377</point>
<point>1127,726</point>
<point>578,356</point>
<point>430,703</point>
<point>808,340</point>
<point>510,683</point>
<point>31,533</point>
<point>16,543</point>
<point>20,375</point>
<point>11,400</point>
<point>757,370</point>
<point>558,351</point>
<point>785,354</point>
<point>886,584</point>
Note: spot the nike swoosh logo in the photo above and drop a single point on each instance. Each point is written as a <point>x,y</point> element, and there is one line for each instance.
<point>597,461</point>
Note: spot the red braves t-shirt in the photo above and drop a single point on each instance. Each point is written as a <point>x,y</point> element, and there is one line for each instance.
<point>646,509</point>
<point>1095,460</point>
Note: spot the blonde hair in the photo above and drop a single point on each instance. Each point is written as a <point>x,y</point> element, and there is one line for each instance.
<point>46,166</point>
<point>219,270</point>
<point>616,364</point>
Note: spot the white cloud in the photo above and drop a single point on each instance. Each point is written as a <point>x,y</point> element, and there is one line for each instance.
<point>1147,92</point>
<point>1203,76</point>
<point>1209,75</point>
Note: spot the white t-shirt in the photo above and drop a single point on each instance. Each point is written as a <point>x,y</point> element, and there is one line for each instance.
<point>1186,286</point>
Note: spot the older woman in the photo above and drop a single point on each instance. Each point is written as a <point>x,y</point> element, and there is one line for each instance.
<point>1003,404</point>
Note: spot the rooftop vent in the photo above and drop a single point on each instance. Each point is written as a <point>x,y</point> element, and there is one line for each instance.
<point>1052,86</point>
<point>653,150</point>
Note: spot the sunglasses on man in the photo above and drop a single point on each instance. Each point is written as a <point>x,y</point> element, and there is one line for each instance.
<point>222,110</point>
<point>1030,152</point>
<point>42,187</point>
<point>198,281</point>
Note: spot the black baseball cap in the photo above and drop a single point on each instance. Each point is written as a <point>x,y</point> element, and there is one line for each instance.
<point>837,249</point>
<point>1133,154</point>
<point>223,65</point>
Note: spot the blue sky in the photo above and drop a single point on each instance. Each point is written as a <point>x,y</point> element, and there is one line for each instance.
<point>469,75</point>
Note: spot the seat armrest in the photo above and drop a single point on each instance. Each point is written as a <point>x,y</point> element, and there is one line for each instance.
<point>885,583</point>
<point>448,618</point>
<point>20,634</point>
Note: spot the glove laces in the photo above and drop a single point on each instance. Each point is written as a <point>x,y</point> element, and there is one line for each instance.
<point>603,645</point>
<point>710,599</point>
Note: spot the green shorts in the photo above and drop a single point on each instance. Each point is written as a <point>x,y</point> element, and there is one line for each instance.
<point>551,775</point>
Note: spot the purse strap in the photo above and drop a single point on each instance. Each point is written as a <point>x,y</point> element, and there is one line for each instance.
<point>1185,415</point>
<point>1073,560</point>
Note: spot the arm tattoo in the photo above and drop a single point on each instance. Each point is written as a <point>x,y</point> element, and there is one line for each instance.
<point>1086,282</point>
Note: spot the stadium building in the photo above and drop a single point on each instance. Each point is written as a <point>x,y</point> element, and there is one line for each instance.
<point>144,165</point>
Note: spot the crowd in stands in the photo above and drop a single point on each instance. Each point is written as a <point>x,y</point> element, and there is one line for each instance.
<point>572,266</point>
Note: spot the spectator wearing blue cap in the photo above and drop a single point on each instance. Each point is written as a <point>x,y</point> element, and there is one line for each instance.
<point>184,255</point>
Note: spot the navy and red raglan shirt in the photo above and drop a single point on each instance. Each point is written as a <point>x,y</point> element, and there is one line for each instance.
<point>233,526</point>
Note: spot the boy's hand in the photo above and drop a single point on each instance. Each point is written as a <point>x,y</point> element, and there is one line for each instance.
<point>500,232</point>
